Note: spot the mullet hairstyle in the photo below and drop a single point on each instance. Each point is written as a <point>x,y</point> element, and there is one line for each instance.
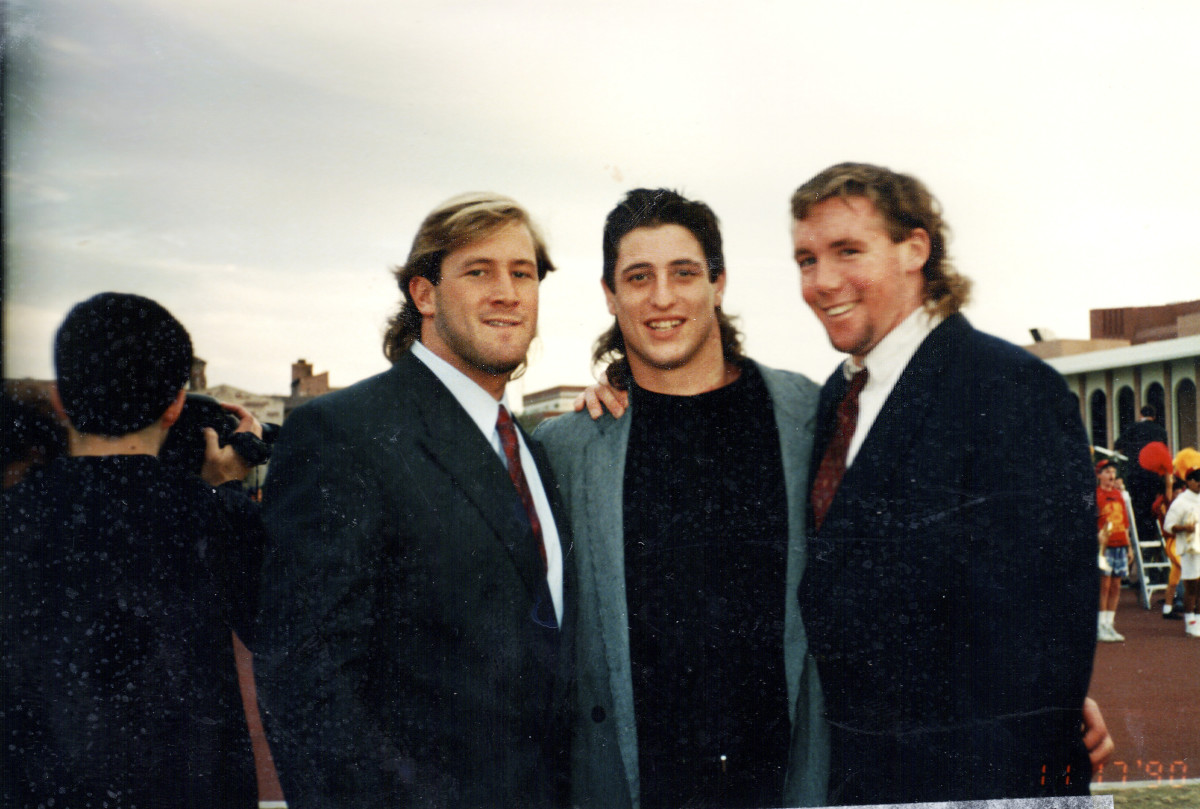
<point>905,205</point>
<point>457,222</point>
<point>650,208</point>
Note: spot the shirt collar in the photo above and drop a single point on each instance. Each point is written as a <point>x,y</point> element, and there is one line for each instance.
<point>478,403</point>
<point>890,356</point>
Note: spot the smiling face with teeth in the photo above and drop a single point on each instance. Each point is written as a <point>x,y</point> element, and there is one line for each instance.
<point>665,305</point>
<point>482,314</point>
<point>858,282</point>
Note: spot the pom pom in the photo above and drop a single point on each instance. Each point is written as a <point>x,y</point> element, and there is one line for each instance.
<point>1187,460</point>
<point>1156,458</point>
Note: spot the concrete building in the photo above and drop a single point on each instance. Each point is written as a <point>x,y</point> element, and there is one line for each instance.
<point>266,408</point>
<point>543,404</point>
<point>1137,356</point>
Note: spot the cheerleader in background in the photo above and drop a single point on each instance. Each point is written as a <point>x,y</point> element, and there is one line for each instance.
<point>1183,522</point>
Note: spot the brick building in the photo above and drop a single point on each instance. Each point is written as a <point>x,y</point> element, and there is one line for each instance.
<point>305,385</point>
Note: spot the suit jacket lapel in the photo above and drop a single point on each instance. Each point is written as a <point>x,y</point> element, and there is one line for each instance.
<point>899,422</point>
<point>455,443</point>
<point>794,421</point>
<point>562,523</point>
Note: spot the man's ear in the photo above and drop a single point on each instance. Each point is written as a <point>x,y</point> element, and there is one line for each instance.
<point>173,411</point>
<point>917,249</point>
<point>422,291</point>
<point>610,298</point>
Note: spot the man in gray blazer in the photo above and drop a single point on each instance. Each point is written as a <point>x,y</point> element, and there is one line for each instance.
<point>417,604</point>
<point>694,686</point>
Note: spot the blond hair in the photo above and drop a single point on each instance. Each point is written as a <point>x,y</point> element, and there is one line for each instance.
<point>457,222</point>
<point>905,205</point>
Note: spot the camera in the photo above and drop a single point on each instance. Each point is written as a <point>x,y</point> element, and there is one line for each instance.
<point>184,447</point>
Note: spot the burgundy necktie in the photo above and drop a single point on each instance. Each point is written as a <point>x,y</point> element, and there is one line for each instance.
<point>833,464</point>
<point>512,451</point>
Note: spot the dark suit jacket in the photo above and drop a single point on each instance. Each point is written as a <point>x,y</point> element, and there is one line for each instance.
<point>120,581</point>
<point>950,596</point>
<point>405,657</point>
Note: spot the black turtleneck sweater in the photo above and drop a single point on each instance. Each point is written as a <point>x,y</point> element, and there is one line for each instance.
<point>705,566</point>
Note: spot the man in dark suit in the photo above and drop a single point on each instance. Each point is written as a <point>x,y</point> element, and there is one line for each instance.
<point>951,581</point>
<point>416,602</point>
<point>1137,435</point>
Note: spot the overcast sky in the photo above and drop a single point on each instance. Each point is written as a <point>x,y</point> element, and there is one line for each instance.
<point>258,167</point>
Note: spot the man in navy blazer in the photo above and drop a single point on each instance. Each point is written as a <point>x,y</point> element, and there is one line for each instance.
<point>417,605</point>
<point>950,587</point>
<point>694,686</point>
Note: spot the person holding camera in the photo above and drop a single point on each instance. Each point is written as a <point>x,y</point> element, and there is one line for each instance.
<point>122,582</point>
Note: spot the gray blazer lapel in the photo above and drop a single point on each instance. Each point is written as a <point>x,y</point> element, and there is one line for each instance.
<point>794,400</point>
<point>795,406</point>
<point>604,460</point>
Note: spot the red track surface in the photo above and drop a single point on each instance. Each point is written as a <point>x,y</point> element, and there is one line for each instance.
<point>1149,691</point>
<point>268,781</point>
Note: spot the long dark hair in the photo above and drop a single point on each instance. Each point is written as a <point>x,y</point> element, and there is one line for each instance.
<point>645,207</point>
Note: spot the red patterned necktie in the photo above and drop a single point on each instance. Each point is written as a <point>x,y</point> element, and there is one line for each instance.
<point>512,452</point>
<point>833,464</point>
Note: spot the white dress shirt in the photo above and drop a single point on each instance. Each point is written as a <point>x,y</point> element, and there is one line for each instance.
<point>885,362</point>
<point>484,410</point>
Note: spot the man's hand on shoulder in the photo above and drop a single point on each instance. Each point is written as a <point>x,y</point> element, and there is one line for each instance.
<point>602,396</point>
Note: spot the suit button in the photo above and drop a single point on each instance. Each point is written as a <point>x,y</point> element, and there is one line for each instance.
<point>598,714</point>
